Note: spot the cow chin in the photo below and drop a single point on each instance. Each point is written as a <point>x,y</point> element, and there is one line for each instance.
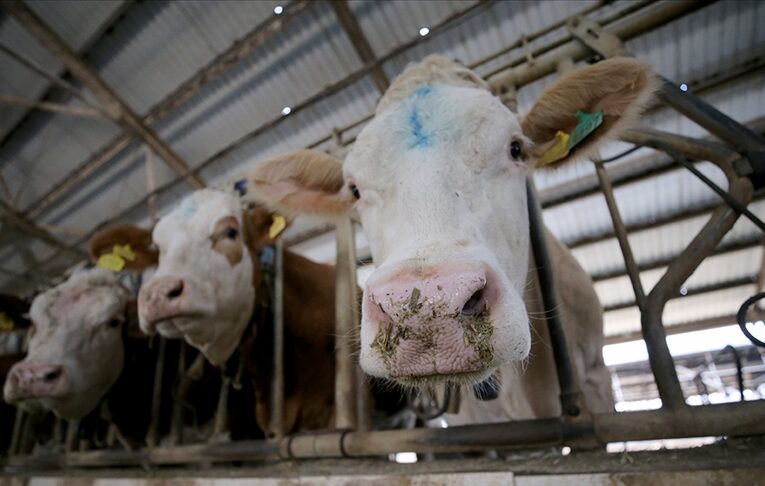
<point>457,349</point>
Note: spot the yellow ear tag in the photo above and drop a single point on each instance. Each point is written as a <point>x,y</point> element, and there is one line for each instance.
<point>557,151</point>
<point>111,261</point>
<point>6,323</point>
<point>277,226</point>
<point>124,251</point>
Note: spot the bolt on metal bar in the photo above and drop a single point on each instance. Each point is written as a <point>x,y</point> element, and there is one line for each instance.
<point>570,395</point>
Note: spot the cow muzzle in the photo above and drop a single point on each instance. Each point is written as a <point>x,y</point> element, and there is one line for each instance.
<point>433,322</point>
<point>28,380</point>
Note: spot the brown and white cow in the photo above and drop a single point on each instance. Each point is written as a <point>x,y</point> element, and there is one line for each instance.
<point>209,290</point>
<point>438,178</point>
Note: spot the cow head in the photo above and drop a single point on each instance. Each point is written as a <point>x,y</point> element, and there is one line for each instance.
<point>75,348</point>
<point>438,180</point>
<point>204,287</point>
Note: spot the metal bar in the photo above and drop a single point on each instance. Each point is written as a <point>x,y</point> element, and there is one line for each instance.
<point>729,200</point>
<point>114,106</point>
<point>621,234</point>
<point>740,419</point>
<point>18,427</point>
<point>176,418</point>
<point>52,107</point>
<point>570,395</point>
<point>221,411</point>
<point>361,45</point>
<point>722,249</point>
<point>152,436</point>
<point>346,308</point>
<point>276,418</point>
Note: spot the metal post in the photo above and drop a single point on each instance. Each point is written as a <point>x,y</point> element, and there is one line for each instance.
<point>569,388</point>
<point>276,419</point>
<point>346,309</point>
<point>152,436</point>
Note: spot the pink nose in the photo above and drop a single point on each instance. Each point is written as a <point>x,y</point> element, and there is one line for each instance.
<point>432,321</point>
<point>29,379</point>
<point>160,298</point>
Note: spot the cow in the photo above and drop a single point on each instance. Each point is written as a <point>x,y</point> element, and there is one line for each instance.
<point>85,349</point>
<point>438,180</point>
<point>209,289</point>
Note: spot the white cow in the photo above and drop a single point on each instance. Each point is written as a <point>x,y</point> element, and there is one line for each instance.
<point>438,180</point>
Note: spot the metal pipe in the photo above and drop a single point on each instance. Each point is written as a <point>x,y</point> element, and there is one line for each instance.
<point>570,395</point>
<point>740,419</point>
<point>346,309</point>
<point>621,234</point>
<point>276,419</point>
<point>152,436</point>
<point>221,411</point>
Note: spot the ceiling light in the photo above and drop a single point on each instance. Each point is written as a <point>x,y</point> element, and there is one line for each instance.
<point>424,31</point>
<point>683,87</point>
<point>278,10</point>
<point>286,110</point>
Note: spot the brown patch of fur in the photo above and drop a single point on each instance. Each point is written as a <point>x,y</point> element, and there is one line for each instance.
<point>433,69</point>
<point>301,182</point>
<point>139,240</point>
<point>618,87</point>
<point>223,243</point>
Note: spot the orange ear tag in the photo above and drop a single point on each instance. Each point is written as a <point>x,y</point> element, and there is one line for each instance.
<point>557,151</point>
<point>278,224</point>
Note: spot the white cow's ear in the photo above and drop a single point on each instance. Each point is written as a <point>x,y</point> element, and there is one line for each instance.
<point>585,107</point>
<point>301,182</point>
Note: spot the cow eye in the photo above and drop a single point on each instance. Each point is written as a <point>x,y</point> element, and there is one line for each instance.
<point>115,323</point>
<point>515,150</point>
<point>355,191</point>
<point>231,233</point>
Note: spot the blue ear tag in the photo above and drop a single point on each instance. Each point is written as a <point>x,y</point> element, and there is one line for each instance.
<point>586,124</point>
<point>240,187</point>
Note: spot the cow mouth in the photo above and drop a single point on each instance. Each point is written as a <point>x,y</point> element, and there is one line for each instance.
<point>460,378</point>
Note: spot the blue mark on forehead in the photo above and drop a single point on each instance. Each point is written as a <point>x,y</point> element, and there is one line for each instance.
<point>188,208</point>
<point>420,137</point>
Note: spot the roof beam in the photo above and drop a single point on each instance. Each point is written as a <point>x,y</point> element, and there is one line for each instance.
<point>705,289</point>
<point>239,50</point>
<point>60,78</point>
<point>699,325</point>
<point>12,218</point>
<point>73,110</point>
<point>115,107</point>
<point>360,43</point>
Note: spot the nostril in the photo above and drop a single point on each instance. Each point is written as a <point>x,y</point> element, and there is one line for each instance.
<point>52,376</point>
<point>176,291</point>
<point>475,304</point>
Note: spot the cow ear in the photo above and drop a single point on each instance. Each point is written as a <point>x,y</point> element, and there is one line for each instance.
<point>263,226</point>
<point>141,253</point>
<point>574,115</point>
<point>302,182</point>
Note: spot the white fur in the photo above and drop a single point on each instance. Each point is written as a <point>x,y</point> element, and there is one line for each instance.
<point>72,330</point>
<point>220,297</point>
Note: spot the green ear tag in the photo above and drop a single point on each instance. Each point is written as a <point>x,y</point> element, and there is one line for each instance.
<point>586,124</point>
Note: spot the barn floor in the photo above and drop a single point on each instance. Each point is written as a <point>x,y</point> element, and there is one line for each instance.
<point>733,462</point>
